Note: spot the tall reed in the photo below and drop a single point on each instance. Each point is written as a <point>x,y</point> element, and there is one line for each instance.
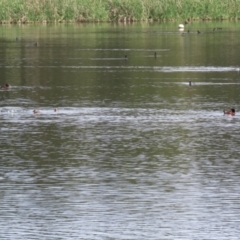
<point>116,10</point>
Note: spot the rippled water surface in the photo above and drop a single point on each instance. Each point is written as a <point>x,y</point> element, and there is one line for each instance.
<point>133,151</point>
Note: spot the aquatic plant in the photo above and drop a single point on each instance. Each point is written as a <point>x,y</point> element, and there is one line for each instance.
<point>23,11</point>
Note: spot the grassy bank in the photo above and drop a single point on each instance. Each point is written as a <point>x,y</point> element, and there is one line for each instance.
<point>24,11</point>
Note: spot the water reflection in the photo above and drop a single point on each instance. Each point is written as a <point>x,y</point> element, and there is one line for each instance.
<point>134,152</point>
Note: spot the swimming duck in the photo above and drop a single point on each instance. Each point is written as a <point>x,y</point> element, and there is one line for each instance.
<point>6,86</point>
<point>36,111</point>
<point>230,112</point>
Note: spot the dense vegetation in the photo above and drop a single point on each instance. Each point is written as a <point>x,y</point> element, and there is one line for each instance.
<point>23,11</point>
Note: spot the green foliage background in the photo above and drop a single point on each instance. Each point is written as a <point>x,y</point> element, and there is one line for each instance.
<point>14,11</point>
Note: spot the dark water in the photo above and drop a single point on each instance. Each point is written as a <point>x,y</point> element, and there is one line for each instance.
<point>133,152</point>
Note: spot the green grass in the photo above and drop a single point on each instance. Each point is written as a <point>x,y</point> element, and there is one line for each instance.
<point>23,11</point>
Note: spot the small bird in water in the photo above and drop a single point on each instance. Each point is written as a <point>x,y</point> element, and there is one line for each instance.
<point>56,110</point>
<point>190,83</point>
<point>230,112</point>
<point>36,111</point>
<point>6,86</point>
<point>155,54</point>
<point>180,26</point>
<point>198,32</point>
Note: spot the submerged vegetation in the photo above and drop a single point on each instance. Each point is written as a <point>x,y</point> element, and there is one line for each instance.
<point>24,11</point>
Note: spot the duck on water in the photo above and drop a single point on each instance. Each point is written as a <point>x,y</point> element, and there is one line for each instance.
<point>5,86</point>
<point>230,112</point>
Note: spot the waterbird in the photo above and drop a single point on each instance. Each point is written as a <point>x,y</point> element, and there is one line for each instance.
<point>6,86</point>
<point>190,83</point>
<point>230,112</point>
<point>198,32</point>
<point>35,111</point>
<point>155,54</point>
<point>180,26</point>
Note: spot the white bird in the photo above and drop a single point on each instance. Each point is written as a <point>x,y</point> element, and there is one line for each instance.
<point>180,26</point>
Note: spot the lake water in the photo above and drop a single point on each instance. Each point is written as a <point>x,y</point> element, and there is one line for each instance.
<point>133,152</point>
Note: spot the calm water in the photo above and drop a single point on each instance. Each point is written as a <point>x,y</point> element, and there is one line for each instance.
<point>134,152</point>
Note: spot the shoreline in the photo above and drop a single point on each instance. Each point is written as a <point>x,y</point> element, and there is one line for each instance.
<point>125,20</point>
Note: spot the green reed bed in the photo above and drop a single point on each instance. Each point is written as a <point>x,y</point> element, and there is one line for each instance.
<point>23,11</point>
